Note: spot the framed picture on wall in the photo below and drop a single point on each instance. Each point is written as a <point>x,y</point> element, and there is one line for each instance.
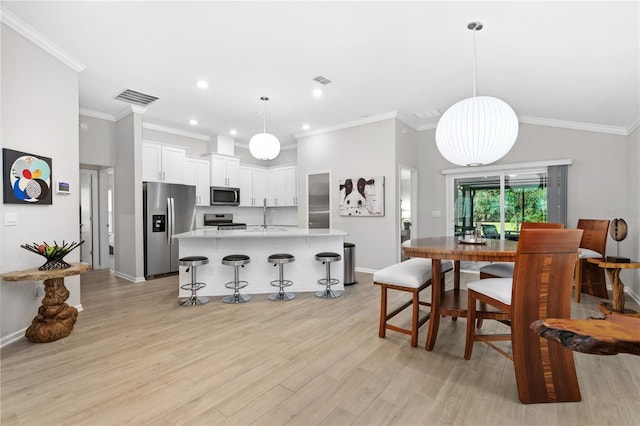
<point>363,196</point>
<point>26,178</point>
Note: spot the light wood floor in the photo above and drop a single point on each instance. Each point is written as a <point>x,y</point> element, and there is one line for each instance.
<point>136,357</point>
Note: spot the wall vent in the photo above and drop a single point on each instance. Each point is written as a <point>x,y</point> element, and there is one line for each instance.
<point>137,98</point>
<point>322,80</point>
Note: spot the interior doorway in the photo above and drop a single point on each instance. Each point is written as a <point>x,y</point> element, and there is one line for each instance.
<point>89,250</point>
<point>319,199</point>
<point>107,240</point>
<point>408,203</point>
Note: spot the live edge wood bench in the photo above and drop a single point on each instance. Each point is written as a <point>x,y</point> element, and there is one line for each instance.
<point>412,276</point>
<point>608,336</point>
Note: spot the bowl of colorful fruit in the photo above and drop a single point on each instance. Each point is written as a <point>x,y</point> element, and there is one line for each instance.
<point>53,253</point>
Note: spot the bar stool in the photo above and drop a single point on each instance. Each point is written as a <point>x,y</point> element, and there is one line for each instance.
<point>279,260</point>
<point>236,260</point>
<point>326,258</point>
<point>191,262</point>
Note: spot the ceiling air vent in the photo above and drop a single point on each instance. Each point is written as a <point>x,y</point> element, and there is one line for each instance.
<point>137,98</point>
<point>322,80</point>
<point>432,113</point>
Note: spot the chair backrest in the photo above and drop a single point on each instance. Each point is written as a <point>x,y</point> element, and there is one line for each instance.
<point>541,225</point>
<point>594,236</point>
<point>490,231</point>
<point>542,280</point>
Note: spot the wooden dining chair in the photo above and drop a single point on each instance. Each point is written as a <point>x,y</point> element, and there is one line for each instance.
<point>589,277</point>
<point>505,269</point>
<point>540,289</point>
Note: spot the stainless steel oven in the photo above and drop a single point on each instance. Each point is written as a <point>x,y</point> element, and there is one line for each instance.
<point>223,196</point>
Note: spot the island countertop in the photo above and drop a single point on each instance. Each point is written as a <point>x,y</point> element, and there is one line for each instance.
<point>252,232</point>
<point>258,244</point>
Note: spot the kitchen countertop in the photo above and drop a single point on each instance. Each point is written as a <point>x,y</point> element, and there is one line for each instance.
<point>272,231</point>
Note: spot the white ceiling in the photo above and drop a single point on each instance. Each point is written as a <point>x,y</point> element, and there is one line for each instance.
<point>573,64</point>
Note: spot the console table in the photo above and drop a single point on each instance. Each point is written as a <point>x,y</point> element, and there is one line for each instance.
<point>617,287</point>
<point>55,319</point>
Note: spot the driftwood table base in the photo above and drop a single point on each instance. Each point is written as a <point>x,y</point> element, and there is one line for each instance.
<point>608,336</point>
<point>55,319</point>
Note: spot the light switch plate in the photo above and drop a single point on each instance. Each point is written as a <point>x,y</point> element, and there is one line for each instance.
<point>10,219</point>
<point>436,213</point>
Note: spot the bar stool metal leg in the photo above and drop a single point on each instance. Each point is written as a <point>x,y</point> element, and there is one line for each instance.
<point>236,260</point>
<point>328,293</point>
<point>193,286</point>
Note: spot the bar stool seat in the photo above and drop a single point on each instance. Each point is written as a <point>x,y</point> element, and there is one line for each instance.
<point>327,257</point>
<point>279,259</point>
<point>191,262</point>
<point>237,261</point>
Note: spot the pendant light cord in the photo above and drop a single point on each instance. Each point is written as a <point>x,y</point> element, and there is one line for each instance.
<point>475,59</point>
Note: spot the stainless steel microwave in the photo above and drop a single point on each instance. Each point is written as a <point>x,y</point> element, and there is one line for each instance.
<point>223,196</point>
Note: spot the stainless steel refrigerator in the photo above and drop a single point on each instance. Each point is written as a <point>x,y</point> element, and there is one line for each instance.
<point>168,209</point>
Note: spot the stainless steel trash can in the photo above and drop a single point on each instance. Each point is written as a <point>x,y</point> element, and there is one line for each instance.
<point>349,264</point>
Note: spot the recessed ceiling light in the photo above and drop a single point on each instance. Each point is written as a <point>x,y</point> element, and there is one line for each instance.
<point>233,132</point>
<point>193,122</point>
<point>305,127</point>
<point>202,84</point>
<point>317,92</point>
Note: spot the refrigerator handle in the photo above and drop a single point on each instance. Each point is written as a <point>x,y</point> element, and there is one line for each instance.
<point>169,220</point>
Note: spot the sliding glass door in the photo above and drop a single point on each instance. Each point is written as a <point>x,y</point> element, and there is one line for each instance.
<point>500,201</point>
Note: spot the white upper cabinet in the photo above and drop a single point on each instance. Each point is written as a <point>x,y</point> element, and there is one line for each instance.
<point>197,173</point>
<point>253,186</point>
<point>225,171</point>
<point>163,163</point>
<point>283,186</point>
<point>276,189</point>
<point>291,185</point>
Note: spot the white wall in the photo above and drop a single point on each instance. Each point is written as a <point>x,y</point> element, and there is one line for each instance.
<point>365,150</point>
<point>39,99</point>
<point>631,246</point>
<point>195,147</point>
<point>97,142</point>
<point>128,254</point>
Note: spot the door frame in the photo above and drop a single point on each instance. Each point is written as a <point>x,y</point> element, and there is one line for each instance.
<point>103,183</point>
<point>414,204</point>
<point>95,216</point>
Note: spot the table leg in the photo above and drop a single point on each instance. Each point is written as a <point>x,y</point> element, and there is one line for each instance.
<point>617,289</point>
<point>436,291</point>
<point>55,319</point>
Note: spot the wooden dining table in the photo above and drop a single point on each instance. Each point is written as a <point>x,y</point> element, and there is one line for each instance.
<point>453,302</point>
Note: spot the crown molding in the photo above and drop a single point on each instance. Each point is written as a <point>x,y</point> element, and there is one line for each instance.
<point>159,128</point>
<point>40,40</point>
<point>97,114</point>
<point>282,148</point>
<point>348,124</point>
<point>129,109</point>
<point>575,125</point>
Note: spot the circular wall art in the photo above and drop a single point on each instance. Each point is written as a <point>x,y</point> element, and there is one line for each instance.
<point>27,178</point>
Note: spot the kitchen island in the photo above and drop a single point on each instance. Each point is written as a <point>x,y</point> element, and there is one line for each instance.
<point>259,244</point>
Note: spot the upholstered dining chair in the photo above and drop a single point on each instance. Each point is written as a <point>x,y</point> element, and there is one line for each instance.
<point>505,269</point>
<point>590,278</point>
<point>540,289</point>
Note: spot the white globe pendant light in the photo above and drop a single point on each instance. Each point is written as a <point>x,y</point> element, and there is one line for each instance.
<point>264,146</point>
<point>477,130</point>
